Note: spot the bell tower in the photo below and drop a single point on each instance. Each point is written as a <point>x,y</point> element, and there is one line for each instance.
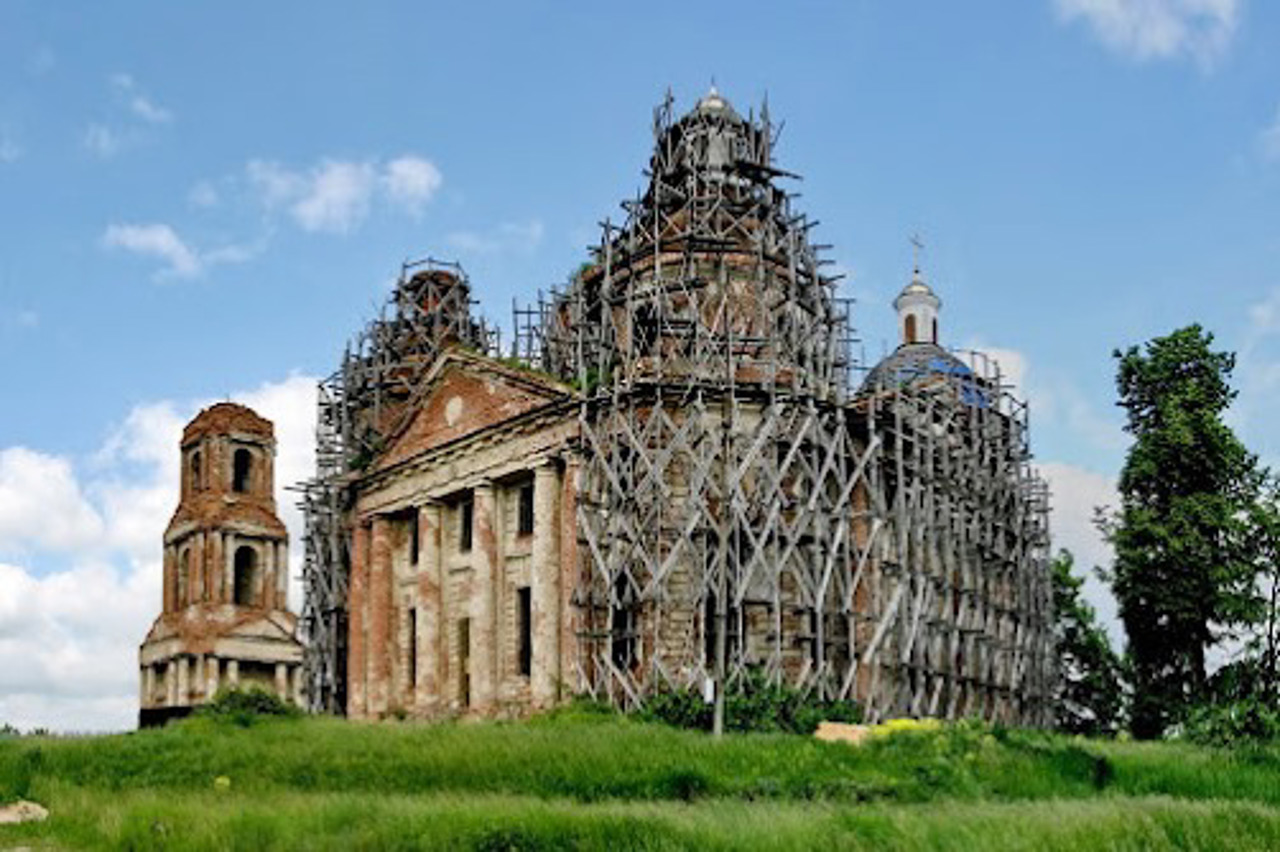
<point>224,619</point>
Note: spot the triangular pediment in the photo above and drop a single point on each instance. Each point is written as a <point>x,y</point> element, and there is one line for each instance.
<point>464,394</point>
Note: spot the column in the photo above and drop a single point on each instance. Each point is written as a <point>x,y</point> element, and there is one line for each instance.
<point>198,683</point>
<point>142,686</point>
<point>184,681</point>
<point>429,692</point>
<point>357,700</point>
<point>199,569</point>
<point>229,567</point>
<point>282,575</point>
<point>544,589</point>
<point>216,561</point>
<point>380,650</point>
<point>211,676</point>
<point>298,698</point>
<point>282,681</point>
<point>233,673</point>
<point>484,634</point>
<point>171,683</point>
<point>150,688</point>
<point>169,593</point>
<point>568,567</point>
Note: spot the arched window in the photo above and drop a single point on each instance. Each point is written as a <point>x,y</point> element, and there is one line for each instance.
<point>184,579</point>
<point>195,471</point>
<point>246,570</point>
<point>935,329</point>
<point>911,328</point>
<point>242,463</point>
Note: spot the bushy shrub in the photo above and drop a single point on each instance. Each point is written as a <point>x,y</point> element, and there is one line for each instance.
<point>243,706</point>
<point>751,704</point>
<point>1242,722</point>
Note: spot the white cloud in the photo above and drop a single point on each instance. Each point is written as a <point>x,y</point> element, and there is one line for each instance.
<point>1052,396</point>
<point>102,141</point>
<point>1074,494</point>
<point>69,638</point>
<point>157,240</point>
<point>336,196</point>
<point>509,236</point>
<point>162,242</point>
<point>127,91</point>
<point>41,503</point>
<point>411,182</point>
<point>337,199</point>
<point>1159,29</point>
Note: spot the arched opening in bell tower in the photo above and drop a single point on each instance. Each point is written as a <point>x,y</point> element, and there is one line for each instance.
<point>911,328</point>
<point>246,570</point>
<point>241,465</point>
<point>195,471</point>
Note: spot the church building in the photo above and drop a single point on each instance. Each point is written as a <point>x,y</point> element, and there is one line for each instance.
<point>224,620</point>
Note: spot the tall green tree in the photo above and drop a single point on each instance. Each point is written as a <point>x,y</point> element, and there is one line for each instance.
<point>1090,691</point>
<point>1182,574</point>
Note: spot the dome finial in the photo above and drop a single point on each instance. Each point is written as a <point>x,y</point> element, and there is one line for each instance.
<point>917,305</point>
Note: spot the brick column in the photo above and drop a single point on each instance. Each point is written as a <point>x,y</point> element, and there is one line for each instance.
<point>569,650</point>
<point>211,674</point>
<point>170,584</point>
<point>228,567</point>
<point>357,699</point>
<point>171,683</point>
<point>149,687</point>
<point>379,650</point>
<point>429,691</point>
<point>184,682</point>
<point>484,634</point>
<point>545,585</point>
<point>282,575</point>
<point>216,568</point>
<point>197,679</point>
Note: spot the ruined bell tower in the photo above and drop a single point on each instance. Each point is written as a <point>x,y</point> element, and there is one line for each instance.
<point>224,620</point>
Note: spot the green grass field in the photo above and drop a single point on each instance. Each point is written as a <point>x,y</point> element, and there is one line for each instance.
<point>582,780</point>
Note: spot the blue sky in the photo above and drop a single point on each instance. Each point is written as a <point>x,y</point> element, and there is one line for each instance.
<point>204,201</point>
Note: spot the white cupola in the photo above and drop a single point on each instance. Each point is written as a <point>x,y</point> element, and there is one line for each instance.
<point>917,308</point>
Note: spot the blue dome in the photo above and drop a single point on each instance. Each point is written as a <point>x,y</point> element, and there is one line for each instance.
<point>912,362</point>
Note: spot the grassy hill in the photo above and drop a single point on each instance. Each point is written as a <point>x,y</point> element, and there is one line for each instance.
<point>589,780</point>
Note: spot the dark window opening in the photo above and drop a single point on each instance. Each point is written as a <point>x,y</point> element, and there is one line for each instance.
<point>911,328</point>
<point>195,471</point>
<point>623,650</point>
<point>246,564</point>
<point>524,614</point>
<point>935,329</point>
<point>467,510</point>
<point>464,661</point>
<point>413,649</point>
<point>413,538</point>
<point>524,525</point>
<point>242,463</point>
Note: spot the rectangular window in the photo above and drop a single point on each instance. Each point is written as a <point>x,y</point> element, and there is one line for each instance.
<point>466,517</point>
<point>525,522</point>
<point>413,651</point>
<point>464,661</point>
<point>413,537</point>
<point>524,617</point>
